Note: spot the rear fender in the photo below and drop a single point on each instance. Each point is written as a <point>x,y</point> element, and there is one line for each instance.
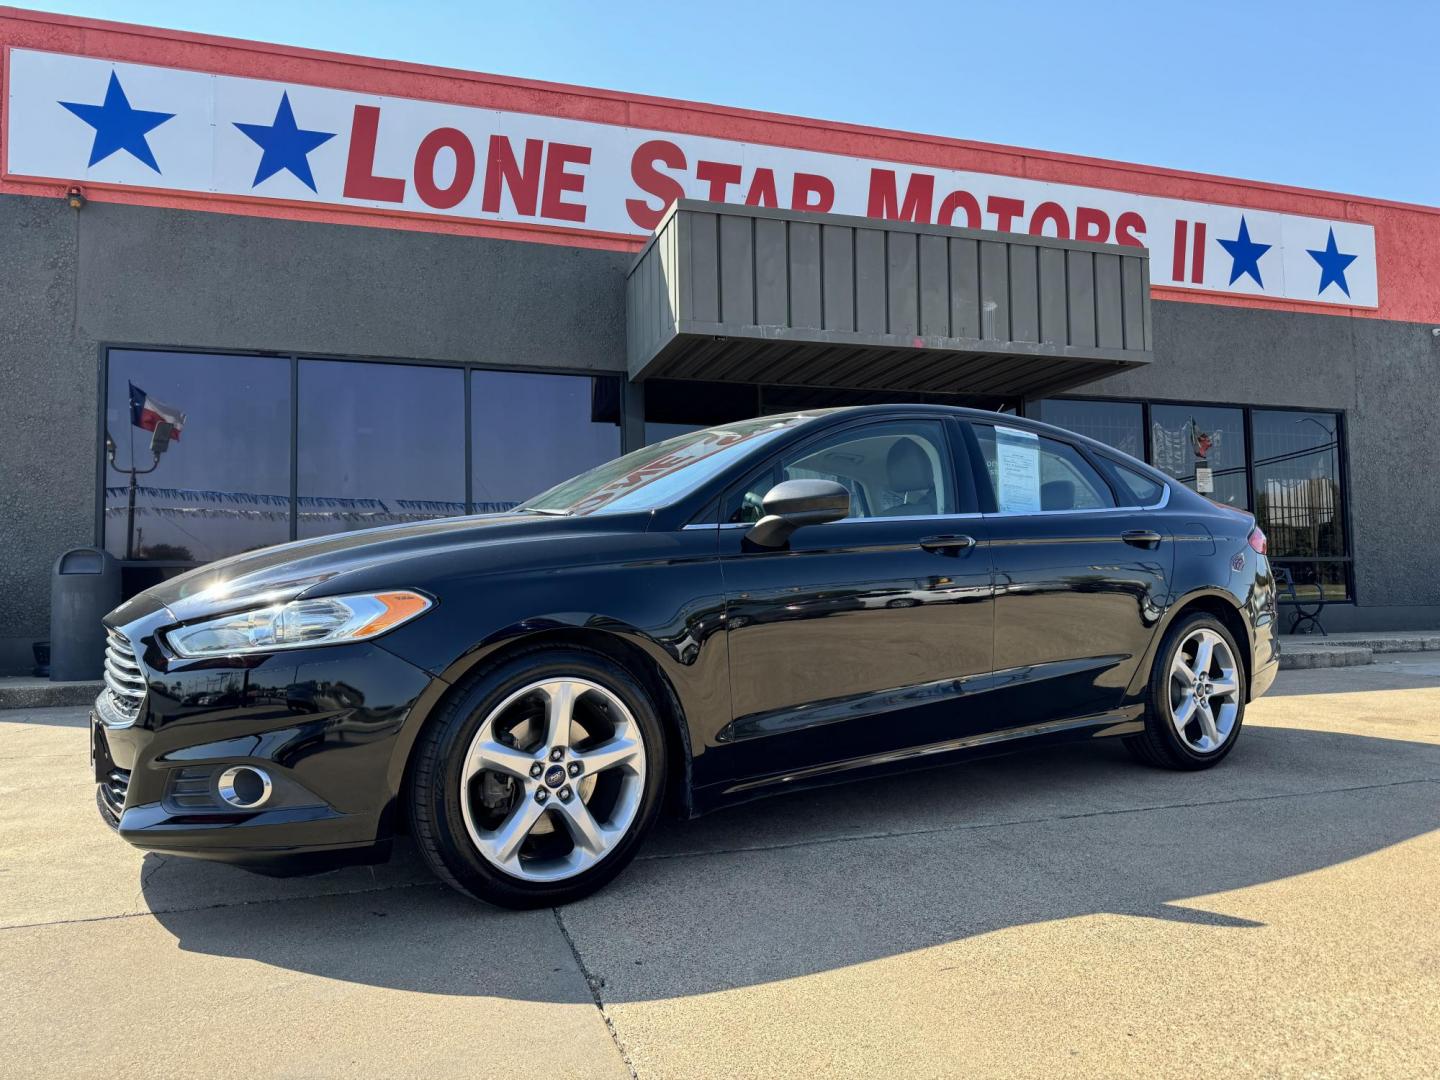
<point>1195,599</point>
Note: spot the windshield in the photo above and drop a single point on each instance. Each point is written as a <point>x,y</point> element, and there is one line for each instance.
<point>660,474</point>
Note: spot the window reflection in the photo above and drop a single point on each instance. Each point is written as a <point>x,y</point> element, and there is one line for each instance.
<point>529,432</point>
<point>378,444</point>
<point>1120,424</point>
<point>1297,482</point>
<point>1298,498</point>
<point>1327,580</point>
<point>1202,446</point>
<point>223,486</point>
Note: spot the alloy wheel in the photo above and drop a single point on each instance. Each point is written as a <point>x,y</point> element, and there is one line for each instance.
<point>553,779</point>
<point>1204,691</point>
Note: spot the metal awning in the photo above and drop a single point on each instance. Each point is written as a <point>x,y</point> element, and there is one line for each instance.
<point>747,294</point>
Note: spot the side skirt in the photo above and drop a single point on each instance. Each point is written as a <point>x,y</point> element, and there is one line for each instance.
<point>1127,720</point>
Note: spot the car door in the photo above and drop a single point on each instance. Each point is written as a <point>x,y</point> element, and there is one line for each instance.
<point>1080,580</point>
<point>862,636</point>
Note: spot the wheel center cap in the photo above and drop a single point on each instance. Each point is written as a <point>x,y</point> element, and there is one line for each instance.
<point>555,776</point>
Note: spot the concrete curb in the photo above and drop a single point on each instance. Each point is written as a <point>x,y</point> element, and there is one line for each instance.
<point>1324,656</point>
<point>24,693</point>
<point>1349,650</point>
<point>1398,644</point>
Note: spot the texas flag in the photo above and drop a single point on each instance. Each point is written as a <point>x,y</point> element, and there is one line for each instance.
<point>146,412</point>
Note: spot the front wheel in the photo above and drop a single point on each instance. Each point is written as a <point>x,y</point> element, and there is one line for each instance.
<point>1196,698</point>
<point>536,782</point>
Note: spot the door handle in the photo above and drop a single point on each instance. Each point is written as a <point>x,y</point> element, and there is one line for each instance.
<point>1141,537</point>
<point>948,544</point>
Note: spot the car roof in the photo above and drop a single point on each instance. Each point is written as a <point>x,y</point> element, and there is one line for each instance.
<point>963,413</point>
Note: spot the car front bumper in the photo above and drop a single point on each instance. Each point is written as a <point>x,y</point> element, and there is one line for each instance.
<point>331,727</point>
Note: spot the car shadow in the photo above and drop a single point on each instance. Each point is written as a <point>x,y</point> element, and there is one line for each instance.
<point>821,880</point>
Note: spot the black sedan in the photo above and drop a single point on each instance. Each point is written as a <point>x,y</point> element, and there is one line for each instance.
<point>735,612</point>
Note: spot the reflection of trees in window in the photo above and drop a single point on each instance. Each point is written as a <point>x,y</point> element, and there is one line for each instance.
<point>1297,483</point>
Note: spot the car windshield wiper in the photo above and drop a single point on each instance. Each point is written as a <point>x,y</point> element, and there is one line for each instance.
<point>541,510</point>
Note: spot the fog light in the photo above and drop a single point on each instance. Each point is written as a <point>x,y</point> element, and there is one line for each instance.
<point>245,787</point>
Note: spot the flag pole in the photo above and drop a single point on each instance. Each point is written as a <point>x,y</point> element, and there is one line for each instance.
<point>130,517</point>
<point>157,447</point>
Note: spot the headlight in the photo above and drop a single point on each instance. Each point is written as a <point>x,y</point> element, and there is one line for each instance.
<point>326,620</point>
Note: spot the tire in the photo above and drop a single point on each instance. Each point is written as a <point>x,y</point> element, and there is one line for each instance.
<point>489,811</point>
<point>1166,742</point>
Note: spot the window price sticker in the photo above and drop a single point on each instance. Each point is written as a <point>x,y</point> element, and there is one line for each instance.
<point>1017,455</point>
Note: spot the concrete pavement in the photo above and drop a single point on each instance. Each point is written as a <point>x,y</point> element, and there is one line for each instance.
<point>1060,913</point>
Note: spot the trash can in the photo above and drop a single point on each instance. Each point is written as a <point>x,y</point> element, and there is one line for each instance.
<point>83,589</point>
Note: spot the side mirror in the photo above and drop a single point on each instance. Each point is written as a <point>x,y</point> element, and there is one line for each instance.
<point>793,503</point>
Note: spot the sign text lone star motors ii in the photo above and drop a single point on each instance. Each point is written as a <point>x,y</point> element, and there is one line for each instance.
<point>82,119</point>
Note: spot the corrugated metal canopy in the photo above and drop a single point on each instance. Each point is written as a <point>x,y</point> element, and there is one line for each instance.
<point>747,294</point>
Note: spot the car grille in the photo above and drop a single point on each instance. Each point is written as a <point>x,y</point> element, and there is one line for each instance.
<point>124,681</point>
<point>113,790</point>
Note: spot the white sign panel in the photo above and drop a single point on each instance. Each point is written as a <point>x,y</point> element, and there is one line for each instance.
<point>87,120</point>
<point>1017,454</point>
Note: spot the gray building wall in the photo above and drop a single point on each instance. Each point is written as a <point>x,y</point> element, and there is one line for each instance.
<point>71,281</point>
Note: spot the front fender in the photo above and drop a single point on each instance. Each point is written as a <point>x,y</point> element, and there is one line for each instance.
<point>670,610</point>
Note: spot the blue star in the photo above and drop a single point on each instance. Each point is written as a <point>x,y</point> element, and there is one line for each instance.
<point>1244,254</point>
<point>118,126</point>
<point>285,145</point>
<point>1332,265</point>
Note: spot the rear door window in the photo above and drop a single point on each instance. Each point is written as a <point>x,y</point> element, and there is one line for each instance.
<point>1032,473</point>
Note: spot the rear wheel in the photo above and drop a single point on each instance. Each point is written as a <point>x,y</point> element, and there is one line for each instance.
<point>535,784</point>
<point>1196,698</point>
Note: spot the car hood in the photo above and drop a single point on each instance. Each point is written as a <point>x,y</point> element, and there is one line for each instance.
<point>277,574</point>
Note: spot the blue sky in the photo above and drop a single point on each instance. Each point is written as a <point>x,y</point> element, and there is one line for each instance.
<point>1338,96</point>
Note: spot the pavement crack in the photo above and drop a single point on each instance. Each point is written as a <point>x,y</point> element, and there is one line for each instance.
<point>595,984</point>
<point>1006,822</point>
<point>160,861</point>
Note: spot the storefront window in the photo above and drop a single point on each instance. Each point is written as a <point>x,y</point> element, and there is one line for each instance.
<point>378,444</point>
<point>1298,497</point>
<point>1120,424</point>
<point>1203,447</point>
<point>222,486</point>
<point>531,431</point>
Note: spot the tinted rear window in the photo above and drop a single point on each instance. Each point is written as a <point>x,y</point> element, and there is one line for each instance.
<point>1142,490</point>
